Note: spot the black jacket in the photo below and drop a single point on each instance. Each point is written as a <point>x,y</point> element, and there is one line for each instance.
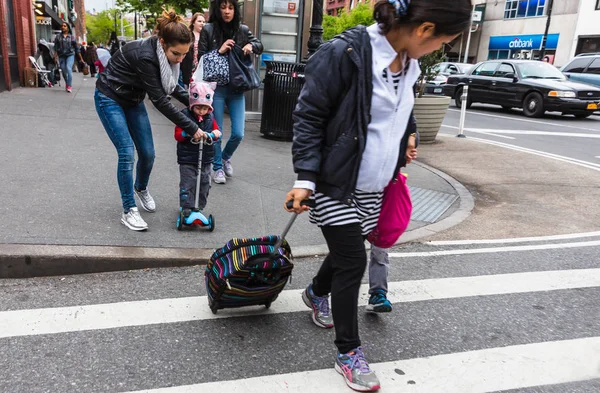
<point>134,71</point>
<point>211,39</point>
<point>333,113</point>
<point>187,152</point>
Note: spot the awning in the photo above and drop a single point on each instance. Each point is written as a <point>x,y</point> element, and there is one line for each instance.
<point>41,9</point>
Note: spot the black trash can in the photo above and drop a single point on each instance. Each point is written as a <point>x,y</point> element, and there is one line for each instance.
<point>283,82</point>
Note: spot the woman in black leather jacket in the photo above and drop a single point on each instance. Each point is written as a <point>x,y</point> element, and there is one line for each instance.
<point>149,66</point>
<point>223,31</point>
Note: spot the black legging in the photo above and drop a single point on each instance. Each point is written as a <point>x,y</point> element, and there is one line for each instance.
<point>341,274</point>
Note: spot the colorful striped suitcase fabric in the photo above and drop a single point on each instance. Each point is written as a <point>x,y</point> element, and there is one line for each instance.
<point>247,272</point>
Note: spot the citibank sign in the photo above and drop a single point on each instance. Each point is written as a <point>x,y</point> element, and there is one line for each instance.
<point>518,43</point>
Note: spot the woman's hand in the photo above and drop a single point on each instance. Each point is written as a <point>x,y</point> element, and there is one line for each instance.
<point>297,195</point>
<point>247,49</point>
<point>199,135</point>
<point>226,47</point>
<point>411,149</point>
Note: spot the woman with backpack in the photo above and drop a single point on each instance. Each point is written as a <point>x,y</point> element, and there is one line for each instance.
<point>220,35</point>
<point>65,49</point>
<point>352,128</point>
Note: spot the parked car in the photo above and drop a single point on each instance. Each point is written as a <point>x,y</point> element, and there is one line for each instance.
<point>535,86</point>
<point>584,68</point>
<point>445,69</point>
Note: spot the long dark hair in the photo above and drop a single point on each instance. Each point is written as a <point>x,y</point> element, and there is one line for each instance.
<point>223,29</point>
<point>450,17</point>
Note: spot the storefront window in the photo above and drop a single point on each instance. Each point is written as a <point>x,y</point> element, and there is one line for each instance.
<point>524,8</point>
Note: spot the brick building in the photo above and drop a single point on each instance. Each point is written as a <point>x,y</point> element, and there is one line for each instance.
<point>336,7</point>
<point>17,41</point>
<point>23,23</point>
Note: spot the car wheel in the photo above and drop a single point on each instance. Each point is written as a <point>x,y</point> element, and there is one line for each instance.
<point>583,115</point>
<point>458,99</point>
<point>533,105</point>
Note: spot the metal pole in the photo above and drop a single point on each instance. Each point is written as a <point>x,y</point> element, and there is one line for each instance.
<point>463,111</point>
<point>545,38</point>
<point>316,29</point>
<point>461,45</point>
<point>469,37</point>
<point>135,29</point>
<point>122,33</point>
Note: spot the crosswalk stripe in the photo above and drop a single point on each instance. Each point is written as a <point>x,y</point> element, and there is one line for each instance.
<point>490,250</point>
<point>514,239</point>
<point>481,371</point>
<point>137,313</point>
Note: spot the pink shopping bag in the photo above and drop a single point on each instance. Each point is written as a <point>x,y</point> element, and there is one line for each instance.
<point>395,214</point>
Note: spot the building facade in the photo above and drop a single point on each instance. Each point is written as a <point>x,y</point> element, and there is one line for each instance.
<point>587,29</point>
<point>514,29</point>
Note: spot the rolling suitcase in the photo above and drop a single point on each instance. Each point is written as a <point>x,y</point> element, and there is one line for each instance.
<point>249,271</point>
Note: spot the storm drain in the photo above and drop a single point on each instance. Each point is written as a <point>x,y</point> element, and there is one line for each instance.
<point>429,205</point>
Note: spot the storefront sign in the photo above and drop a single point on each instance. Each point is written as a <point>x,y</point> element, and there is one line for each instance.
<point>527,42</point>
<point>40,20</point>
<point>478,14</point>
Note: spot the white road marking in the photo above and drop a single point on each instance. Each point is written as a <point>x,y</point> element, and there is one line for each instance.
<point>525,120</point>
<point>534,247</point>
<point>515,240</point>
<point>487,133</point>
<point>481,371</point>
<point>527,132</point>
<point>139,313</point>
<point>585,164</point>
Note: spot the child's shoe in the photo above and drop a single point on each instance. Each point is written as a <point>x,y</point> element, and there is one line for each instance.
<point>186,212</point>
<point>378,302</point>
<point>321,315</point>
<point>356,371</point>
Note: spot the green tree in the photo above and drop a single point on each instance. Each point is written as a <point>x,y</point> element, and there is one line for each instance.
<point>362,14</point>
<point>99,27</point>
<point>428,68</point>
<point>151,9</point>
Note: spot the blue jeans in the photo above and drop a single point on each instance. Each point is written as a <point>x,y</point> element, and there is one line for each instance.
<point>129,130</point>
<point>236,102</point>
<point>66,65</point>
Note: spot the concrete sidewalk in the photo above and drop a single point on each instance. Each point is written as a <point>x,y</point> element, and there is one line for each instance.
<point>61,206</point>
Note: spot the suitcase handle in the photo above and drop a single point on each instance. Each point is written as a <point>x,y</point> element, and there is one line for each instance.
<point>289,205</point>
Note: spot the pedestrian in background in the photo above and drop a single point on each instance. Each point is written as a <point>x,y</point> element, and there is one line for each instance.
<point>65,49</point>
<point>223,31</point>
<point>91,57</point>
<point>189,64</point>
<point>148,66</point>
<point>350,138</point>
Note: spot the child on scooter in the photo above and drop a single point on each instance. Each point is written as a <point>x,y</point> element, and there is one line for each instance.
<point>188,149</point>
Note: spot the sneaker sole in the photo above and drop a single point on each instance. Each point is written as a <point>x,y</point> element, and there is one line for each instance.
<point>219,181</point>
<point>309,305</point>
<point>128,225</point>
<point>143,205</point>
<point>378,309</point>
<point>354,386</point>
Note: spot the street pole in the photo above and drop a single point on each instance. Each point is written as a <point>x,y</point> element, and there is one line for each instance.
<point>461,45</point>
<point>469,37</point>
<point>122,32</point>
<point>545,38</point>
<point>316,29</point>
<point>463,111</point>
<point>135,29</point>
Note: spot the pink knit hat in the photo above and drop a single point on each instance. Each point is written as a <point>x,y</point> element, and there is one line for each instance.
<point>201,93</point>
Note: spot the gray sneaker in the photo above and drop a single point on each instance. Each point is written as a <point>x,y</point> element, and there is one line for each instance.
<point>356,371</point>
<point>146,200</point>
<point>228,168</point>
<point>133,220</point>
<point>320,306</point>
<point>219,177</point>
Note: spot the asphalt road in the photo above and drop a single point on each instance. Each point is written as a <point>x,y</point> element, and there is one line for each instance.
<point>518,316</point>
<point>565,136</point>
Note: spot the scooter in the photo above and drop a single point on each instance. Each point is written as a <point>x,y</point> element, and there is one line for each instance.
<point>196,217</point>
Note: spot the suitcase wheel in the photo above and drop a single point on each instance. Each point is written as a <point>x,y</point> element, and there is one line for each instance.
<point>214,307</point>
<point>268,304</point>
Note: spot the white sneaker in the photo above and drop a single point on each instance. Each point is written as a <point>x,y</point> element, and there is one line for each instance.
<point>146,200</point>
<point>228,168</point>
<point>133,220</point>
<point>219,177</point>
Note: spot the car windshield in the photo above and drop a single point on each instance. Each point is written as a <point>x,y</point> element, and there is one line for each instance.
<point>539,70</point>
<point>464,68</point>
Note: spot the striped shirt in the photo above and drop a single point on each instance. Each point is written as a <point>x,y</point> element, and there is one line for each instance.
<point>364,210</point>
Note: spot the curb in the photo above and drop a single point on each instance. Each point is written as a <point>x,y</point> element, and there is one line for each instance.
<point>31,260</point>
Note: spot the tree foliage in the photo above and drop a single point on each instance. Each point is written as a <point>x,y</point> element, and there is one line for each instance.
<point>151,9</point>
<point>428,69</point>
<point>362,14</point>
<point>99,27</point>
